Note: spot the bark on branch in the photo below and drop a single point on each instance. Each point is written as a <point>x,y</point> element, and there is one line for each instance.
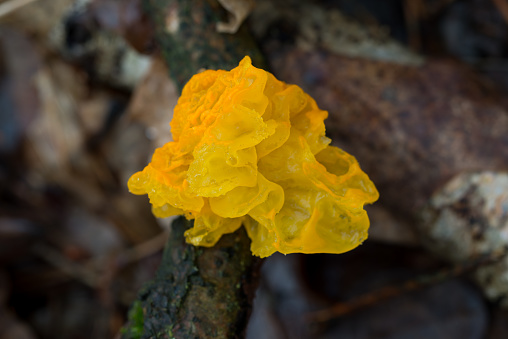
<point>198,292</point>
<point>189,41</point>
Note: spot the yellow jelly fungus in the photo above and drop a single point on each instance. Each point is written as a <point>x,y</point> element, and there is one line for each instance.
<point>250,149</point>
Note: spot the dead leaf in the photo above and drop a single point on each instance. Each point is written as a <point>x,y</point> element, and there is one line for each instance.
<point>411,128</point>
<point>56,135</point>
<point>146,123</point>
<point>238,11</point>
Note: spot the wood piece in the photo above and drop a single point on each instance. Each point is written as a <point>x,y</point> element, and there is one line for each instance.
<point>189,41</point>
<point>198,292</point>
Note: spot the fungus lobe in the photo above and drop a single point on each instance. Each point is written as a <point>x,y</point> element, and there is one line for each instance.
<point>251,150</point>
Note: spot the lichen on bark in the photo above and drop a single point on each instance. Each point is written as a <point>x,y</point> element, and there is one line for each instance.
<point>198,292</point>
<point>187,34</point>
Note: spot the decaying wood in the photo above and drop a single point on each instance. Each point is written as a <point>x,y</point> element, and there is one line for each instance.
<point>412,125</point>
<point>412,128</point>
<point>198,292</point>
<point>415,130</point>
<point>340,309</point>
<point>189,41</point>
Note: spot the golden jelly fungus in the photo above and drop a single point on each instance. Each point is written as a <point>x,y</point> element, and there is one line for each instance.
<point>249,149</point>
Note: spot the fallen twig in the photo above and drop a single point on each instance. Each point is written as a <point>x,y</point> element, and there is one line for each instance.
<point>133,254</point>
<point>71,268</point>
<point>369,299</point>
<point>90,273</point>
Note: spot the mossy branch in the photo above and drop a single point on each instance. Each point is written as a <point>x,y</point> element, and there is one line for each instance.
<point>198,292</point>
<point>189,41</point>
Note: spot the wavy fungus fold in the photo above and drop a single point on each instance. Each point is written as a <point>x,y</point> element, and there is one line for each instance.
<point>251,150</point>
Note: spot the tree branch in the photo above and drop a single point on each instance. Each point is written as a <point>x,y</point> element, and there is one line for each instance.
<point>198,292</point>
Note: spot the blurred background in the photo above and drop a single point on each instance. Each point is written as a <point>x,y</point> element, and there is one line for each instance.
<point>416,90</point>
